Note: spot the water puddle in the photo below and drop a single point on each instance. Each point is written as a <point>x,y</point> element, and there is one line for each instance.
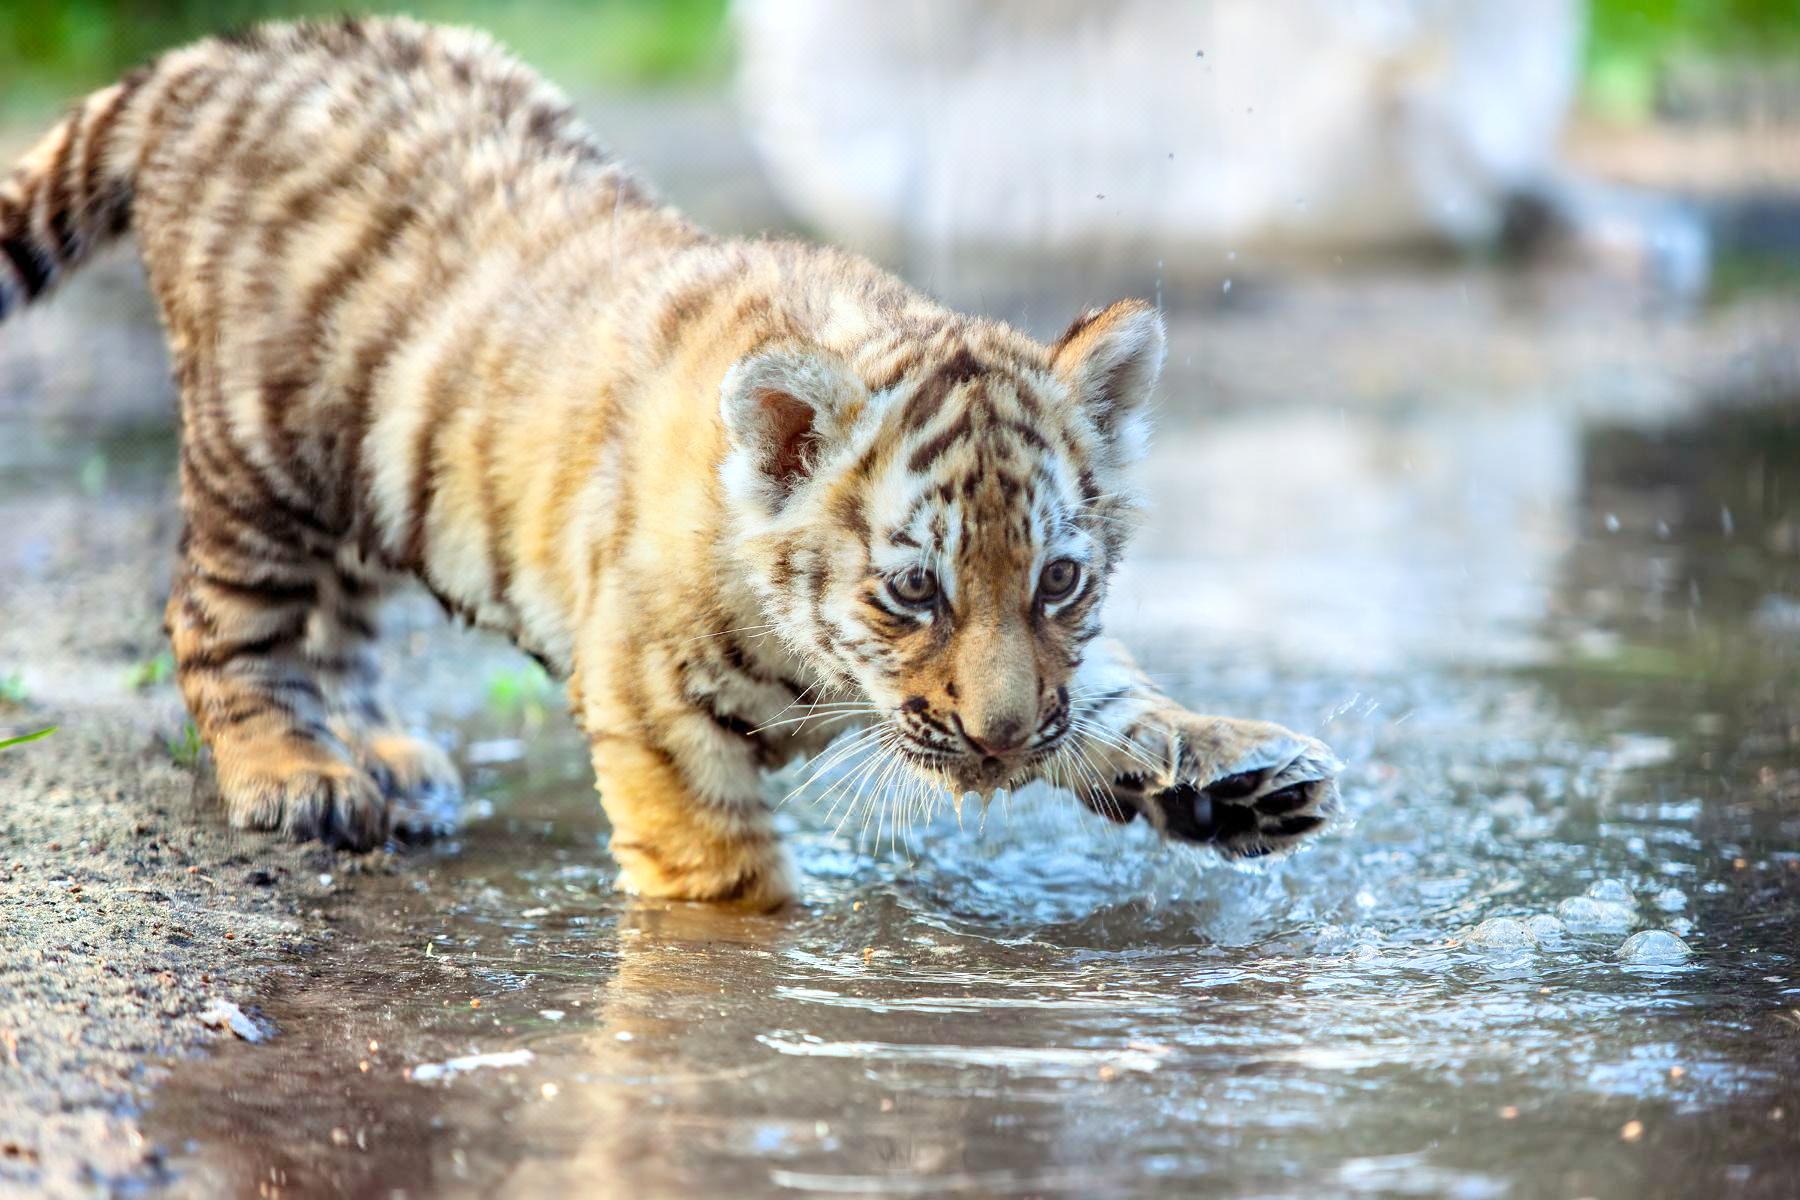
<point>1561,659</point>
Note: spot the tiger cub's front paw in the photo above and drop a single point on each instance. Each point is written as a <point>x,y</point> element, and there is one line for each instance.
<point>753,874</point>
<point>302,788</point>
<point>418,778</point>
<point>1249,789</point>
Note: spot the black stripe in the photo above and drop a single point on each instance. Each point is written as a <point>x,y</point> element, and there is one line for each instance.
<point>731,724</point>
<point>300,684</point>
<point>268,590</point>
<point>356,624</point>
<point>353,666</point>
<point>1026,434</point>
<point>214,658</point>
<point>32,266</point>
<point>247,710</point>
<point>930,451</point>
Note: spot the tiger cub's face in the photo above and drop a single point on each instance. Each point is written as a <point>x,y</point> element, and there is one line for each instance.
<point>942,547</point>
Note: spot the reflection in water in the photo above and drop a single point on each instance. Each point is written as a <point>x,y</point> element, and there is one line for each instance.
<point>1561,661</point>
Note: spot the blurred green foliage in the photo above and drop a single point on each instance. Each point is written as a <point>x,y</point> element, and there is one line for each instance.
<point>53,49</point>
<point>1631,43</point>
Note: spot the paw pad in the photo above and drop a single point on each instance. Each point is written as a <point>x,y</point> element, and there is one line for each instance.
<point>1248,814</point>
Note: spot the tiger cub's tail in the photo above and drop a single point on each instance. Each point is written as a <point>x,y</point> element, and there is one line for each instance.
<point>70,194</point>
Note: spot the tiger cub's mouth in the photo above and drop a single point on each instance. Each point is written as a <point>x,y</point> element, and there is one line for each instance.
<point>969,772</point>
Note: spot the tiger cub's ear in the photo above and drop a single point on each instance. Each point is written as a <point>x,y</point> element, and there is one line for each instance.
<point>1112,357</point>
<point>784,411</point>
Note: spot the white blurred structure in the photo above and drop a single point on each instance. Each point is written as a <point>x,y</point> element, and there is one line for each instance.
<point>1313,122</point>
<point>1164,129</point>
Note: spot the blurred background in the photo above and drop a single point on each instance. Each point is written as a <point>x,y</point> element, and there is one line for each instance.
<point>1479,226</point>
<point>1479,456</point>
<point>973,140</point>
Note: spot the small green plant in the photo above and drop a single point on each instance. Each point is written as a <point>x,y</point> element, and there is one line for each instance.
<point>12,690</point>
<point>153,671</point>
<point>522,694</point>
<point>184,748</point>
<point>9,743</point>
<point>92,477</point>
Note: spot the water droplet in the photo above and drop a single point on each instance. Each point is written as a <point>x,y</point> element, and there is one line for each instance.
<point>1612,523</point>
<point>1654,947</point>
<point>1547,929</point>
<point>1584,914</point>
<point>1502,933</point>
<point>1671,900</point>
<point>1227,286</point>
<point>1612,891</point>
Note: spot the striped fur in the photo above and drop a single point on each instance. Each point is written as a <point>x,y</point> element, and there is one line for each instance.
<point>424,326</point>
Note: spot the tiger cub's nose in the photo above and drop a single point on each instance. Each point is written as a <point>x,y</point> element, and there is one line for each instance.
<point>998,737</point>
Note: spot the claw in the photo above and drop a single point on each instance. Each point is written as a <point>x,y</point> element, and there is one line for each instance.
<point>1271,799</point>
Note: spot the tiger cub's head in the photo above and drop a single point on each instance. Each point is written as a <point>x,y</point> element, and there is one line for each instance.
<point>940,545</point>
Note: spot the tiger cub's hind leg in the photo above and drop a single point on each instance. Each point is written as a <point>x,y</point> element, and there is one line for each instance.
<point>240,608</point>
<point>417,777</point>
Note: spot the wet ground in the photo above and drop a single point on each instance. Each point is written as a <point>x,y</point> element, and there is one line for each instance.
<point>1528,557</point>
<point>1440,999</point>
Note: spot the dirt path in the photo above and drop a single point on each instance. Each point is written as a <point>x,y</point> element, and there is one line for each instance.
<point>129,908</point>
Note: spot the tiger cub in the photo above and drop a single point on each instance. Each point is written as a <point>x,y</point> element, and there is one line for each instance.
<point>741,495</point>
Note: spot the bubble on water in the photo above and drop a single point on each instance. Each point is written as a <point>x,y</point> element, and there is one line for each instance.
<point>1654,948</point>
<point>1502,933</point>
<point>1612,891</point>
<point>1584,914</point>
<point>1671,900</point>
<point>1547,929</point>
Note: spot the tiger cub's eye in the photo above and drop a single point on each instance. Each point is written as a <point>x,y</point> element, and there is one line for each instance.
<point>917,587</point>
<point>1059,579</point>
